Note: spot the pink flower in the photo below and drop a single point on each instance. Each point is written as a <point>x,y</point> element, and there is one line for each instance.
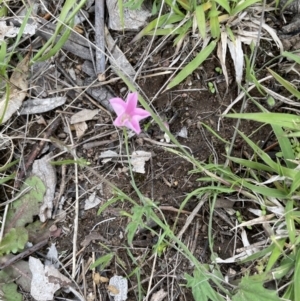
<point>128,113</point>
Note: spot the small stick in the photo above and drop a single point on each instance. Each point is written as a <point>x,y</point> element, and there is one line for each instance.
<point>24,254</point>
<point>100,39</point>
<point>36,151</point>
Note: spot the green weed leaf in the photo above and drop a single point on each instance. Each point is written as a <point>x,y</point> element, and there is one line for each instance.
<point>201,288</point>
<point>193,65</point>
<point>103,261</point>
<point>136,221</point>
<point>14,241</point>
<point>8,288</point>
<point>253,290</point>
<point>27,206</point>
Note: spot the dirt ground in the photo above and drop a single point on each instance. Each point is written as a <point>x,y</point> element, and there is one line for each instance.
<point>167,179</point>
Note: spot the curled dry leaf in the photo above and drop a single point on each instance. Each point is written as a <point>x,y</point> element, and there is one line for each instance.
<point>18,90</point>
<point>92,201</point>
<point>138,160</point>
<point>80,128</point>
<point>159,296</point>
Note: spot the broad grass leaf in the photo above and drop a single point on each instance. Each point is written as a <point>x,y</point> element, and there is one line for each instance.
<point>224,4</point>
<point>201,289</point>
<point>276,253</point>
<point>157,23</point>
<point>242,6</point>
<point>174,7</point>
<point>285,83</point>
<point>201,22</point>
<point>253,290</point>
<point>185,4</point>
<point>214,22</point>
<point>295,185</point>
<point>297,274</point>
<point>289,121</point>
<point>194,64</point>
<point>285,146</point>
<point>11,102</point>
<point>183,31</point>
<point>290,222</point>
<point>292,56</point>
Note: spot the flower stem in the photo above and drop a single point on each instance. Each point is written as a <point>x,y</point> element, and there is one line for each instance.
<point>130,166</point>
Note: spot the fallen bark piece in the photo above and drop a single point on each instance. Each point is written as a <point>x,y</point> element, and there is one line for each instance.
<point>41,105</point>
<point>18,90</point>
<point>46,280</point>
<point>100,39</point>
<point>46,172</point>
<point>118,60</point>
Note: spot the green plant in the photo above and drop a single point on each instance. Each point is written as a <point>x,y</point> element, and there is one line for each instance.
<point>211,87</point>
<point>215,22</point>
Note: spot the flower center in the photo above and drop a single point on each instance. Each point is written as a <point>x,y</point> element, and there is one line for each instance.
<point>125,117</point>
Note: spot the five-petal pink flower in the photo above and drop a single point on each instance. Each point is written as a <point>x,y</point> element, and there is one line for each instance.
<point>128,114</point>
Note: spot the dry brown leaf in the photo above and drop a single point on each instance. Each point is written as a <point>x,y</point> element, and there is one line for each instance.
<point>80,128</point>
<point>159,296</point>
<point>18,90</point>
<point>99,279</point>
<point>113,290</point>
<point>83,115</point>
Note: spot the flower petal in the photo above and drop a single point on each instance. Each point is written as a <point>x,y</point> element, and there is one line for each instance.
<point>119,121</point>
<point>131,103</point>
<point>118,104</point>
<point>141,113</point>
<point>134,125</point>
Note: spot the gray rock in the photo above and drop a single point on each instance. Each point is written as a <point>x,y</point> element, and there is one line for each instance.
<point>133,19</point>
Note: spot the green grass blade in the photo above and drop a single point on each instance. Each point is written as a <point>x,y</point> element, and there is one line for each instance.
<point>224,4</point>
<point>285,146</point>
<point>157,23</point>
<point>194,64</point>
<point>290,223</point>
<point>285,120</point>
<point>201,22</point>
<point>295,185</point>
<point>285,83</point>
<point>276,254</point>
<point>242,6</point>
<point>251,164</point>
<point>174,7</point>
<point>297,275</point>
<point>292,56</point>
